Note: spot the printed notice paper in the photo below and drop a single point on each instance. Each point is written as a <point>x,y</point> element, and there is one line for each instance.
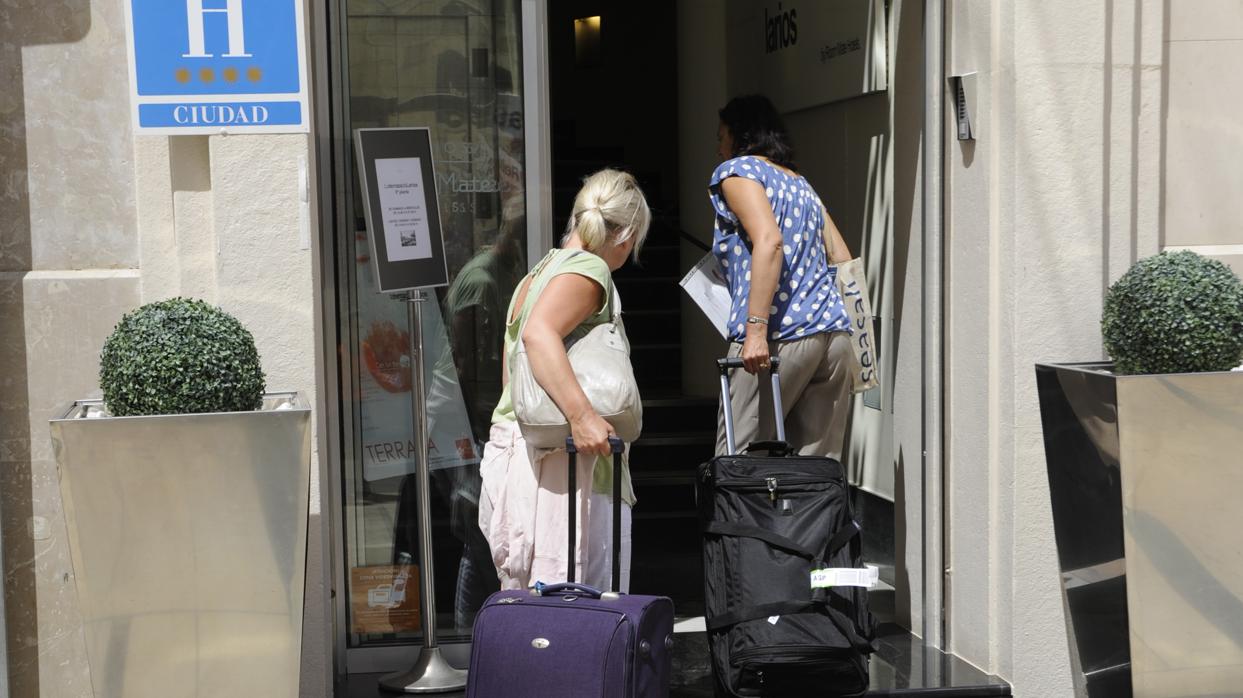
<point>403,208</point>
<point>705,284</point>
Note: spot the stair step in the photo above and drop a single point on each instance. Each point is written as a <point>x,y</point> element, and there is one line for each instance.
<point>692,438</point>
<point>653,326</point>
<point>648,280</point>
<point>662,346</point>
<point>640,515</point>
<point>646,293</point>
<point>656,364</point>
<point>680,402</point>
<point>666,477</point>
<point>667,557</point>
<point>659,257</point>
<point>678,417</point>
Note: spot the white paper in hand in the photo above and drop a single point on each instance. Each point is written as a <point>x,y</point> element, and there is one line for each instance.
<point>705,284</point>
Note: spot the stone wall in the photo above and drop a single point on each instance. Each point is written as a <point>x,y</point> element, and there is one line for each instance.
<point>95,221</point>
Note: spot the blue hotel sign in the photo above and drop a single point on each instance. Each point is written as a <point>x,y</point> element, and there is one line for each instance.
<point>217,66</point>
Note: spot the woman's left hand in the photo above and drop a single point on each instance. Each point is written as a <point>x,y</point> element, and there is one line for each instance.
<point>755,349</point>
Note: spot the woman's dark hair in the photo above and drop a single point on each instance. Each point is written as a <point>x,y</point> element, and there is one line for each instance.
<point>757,129</point>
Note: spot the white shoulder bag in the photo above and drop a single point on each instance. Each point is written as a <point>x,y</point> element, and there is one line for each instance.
<point>601,363</point>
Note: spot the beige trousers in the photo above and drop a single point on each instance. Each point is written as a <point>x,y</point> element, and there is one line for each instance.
<point>815,396</point>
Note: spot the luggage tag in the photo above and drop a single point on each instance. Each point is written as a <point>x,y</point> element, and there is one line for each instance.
<point>866,577</point>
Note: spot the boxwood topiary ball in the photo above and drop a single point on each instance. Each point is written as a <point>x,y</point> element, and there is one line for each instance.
<point>1176,312</point>
<point>180,356</point>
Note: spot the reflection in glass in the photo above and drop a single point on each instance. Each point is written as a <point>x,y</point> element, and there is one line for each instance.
<point>455,68</point>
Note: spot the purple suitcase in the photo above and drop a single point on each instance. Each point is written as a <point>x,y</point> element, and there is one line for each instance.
<point>569,640</point>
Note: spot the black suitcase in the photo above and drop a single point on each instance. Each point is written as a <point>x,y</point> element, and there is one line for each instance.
<point>768,522</point>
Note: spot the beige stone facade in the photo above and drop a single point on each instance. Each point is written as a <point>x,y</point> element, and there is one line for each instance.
<point>1105,132</point>
<point>95,222</point>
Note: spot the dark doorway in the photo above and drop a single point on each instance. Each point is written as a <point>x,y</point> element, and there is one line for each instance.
<point>614,96</point>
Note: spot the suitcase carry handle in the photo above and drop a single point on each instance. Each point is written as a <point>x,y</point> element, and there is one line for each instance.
<point>567,588</point>
<point>617,447</point>
<point>724,366</point>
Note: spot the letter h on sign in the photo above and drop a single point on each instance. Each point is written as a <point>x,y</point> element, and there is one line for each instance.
<point>196,32</point>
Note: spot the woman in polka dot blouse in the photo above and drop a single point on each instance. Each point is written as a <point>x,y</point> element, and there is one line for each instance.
<point>773,240</point>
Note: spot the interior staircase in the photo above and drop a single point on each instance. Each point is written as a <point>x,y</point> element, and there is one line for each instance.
<point>678,431</point>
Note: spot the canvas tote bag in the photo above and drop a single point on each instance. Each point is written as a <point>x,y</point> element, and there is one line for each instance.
<point>601,363</point>
<point>852,285</point>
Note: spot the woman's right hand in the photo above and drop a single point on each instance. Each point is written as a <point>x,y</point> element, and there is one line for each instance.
<point>754,349</point>
<point>591,434</point>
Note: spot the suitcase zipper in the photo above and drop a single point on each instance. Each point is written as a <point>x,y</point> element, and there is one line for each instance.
<point>772,484</point>
<point>773,655</point>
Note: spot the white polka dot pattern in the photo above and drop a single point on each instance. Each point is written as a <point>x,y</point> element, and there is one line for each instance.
<point>804,266</point>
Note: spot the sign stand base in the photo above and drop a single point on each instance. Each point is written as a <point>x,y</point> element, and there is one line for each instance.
<point>430,673</point>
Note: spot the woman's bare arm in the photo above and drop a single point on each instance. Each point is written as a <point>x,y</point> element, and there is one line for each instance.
<point>746,198</point>
<point>834,245</point>
<point>565,303</point>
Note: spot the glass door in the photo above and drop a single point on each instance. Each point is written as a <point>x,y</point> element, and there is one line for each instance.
<point>456,67</point>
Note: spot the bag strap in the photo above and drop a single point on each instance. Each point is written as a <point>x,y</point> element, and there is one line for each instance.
<point>539,271</point>
<point>725,528</point>
<point>765,610</point>
<point>840,620</point>
<point>844,535</point>
<point>614,303</point>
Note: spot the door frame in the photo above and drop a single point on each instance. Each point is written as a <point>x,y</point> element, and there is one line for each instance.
<point>333,152</point>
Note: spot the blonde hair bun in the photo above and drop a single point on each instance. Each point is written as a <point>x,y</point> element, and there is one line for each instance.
<point>610,208</point>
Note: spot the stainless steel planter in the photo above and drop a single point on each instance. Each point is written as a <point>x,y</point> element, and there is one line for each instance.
<point>1149,465</point>
<point>188,537</point>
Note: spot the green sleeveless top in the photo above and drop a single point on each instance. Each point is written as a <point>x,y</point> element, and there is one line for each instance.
<point>572,262</point>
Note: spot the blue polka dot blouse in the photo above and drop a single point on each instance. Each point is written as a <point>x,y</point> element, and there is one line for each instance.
<point>807,301</point>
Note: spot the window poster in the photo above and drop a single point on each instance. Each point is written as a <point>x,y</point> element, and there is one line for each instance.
<point>384,599</point>
<point>388,449</point>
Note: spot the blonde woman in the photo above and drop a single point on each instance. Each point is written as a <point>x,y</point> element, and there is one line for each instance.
<point>523,505</point>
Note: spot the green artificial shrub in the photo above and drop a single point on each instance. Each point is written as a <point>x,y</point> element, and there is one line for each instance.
<point>1176,312</point>
<point>180,356</point>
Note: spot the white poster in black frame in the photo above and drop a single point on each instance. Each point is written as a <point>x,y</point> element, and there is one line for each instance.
<point>398,178</point>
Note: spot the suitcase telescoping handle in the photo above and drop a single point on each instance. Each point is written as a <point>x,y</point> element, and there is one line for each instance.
<point>724,366</point>
<point>616,445</point>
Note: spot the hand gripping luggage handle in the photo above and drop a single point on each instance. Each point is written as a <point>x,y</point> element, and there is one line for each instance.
<point>616,446</point>
<point>724,365</point>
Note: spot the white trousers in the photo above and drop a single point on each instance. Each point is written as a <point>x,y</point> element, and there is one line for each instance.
<point>598,567</point>
<point>523,513</point>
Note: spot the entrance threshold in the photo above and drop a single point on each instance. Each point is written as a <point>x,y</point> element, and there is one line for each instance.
<point>902,666</point>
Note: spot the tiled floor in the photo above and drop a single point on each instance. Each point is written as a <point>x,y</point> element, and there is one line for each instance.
<point>902,666</point>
